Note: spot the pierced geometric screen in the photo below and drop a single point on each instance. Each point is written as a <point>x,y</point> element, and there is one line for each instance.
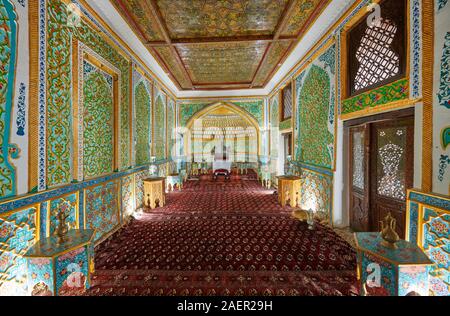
<point>358,160</point>
<point>391,162</point>
<point>377,61</point>
<point>287,102</point>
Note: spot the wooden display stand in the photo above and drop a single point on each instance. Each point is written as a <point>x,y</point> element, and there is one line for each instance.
<point>154,192</point>
<point>289,190</point>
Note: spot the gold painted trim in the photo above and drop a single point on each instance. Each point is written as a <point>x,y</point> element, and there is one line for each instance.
<point>427,92</point>
<point>33,101</point>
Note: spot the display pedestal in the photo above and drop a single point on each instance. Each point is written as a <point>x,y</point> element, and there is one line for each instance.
<point>61,269</point>
<point>154,192</point>
<point>289,190</point>
<point>384,271</point>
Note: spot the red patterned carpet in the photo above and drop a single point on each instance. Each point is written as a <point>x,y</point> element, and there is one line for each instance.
<point>223,238</point>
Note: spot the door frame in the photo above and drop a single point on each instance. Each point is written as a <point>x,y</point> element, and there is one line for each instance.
<point>387,116</point>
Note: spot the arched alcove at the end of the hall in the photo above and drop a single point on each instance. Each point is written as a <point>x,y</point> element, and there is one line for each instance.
<point>222,131</point>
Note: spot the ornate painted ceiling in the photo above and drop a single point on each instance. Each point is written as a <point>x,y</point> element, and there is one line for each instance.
<point>220,44</point>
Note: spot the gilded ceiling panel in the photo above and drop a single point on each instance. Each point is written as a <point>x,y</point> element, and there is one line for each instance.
<point>302,11</point>
<point>220,18</point>
<point>276,52</point>
<point>137,15</point>
<point>222,62</point>
<point>167,56</point>
<point>221,44</point>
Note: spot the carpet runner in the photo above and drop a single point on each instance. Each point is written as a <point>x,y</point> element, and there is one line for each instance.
<point>224,240</point>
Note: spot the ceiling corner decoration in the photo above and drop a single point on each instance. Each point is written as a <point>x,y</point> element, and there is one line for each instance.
<point>220,44</point>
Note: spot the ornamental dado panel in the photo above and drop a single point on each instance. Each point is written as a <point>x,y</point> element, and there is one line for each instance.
<point>58,90</point>
<point>428,225</point>
<point>101,209</point>
<point>316,104</point>
<point>18,232</point>
<point>128,202</point>
<point>67,204</point>
<point>316,192</point>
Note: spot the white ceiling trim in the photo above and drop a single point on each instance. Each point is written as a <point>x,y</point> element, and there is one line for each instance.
<point>329,16</point>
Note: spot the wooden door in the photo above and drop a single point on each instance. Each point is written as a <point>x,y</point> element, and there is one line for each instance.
<point>391,170</point>
<point>359,175</point>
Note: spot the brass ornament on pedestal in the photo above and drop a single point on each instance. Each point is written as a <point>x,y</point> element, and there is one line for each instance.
<point>388,233</point>
<point>62,229</point>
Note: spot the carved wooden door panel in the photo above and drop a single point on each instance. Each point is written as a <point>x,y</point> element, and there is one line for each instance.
<point>391,172</point>
<point>359,192</point>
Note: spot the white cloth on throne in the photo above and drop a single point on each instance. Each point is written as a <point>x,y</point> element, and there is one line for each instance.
<point>221,164</point>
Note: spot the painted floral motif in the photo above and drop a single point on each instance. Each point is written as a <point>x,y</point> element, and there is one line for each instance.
<point>17,235</point>
<point>98,125</point>
<point>127,196</point>
<point>143,105</point>
<point>171,128</point>
<point>139,187</point>
<point>444,87</point>
<point>102,209</point>
<point>444,162</point>
<point>255,108</point>
<point>160,128</point>
<point>439,227</point>
<point>441,4</point>
<point>187,110</point>
<point>315,138</point>
<point>396,91</point>
<point>68,205</point>
<point>316,192</point>
<point>59,110</point>
<point>216,18</point>
<point>276,51</point>
<point>435,244</point>
<point>21,108</point>
<point>8,44</point>
<point>222,62</point>
<point>302,11</point>
<point>274,126</point>
<point>286,124</point>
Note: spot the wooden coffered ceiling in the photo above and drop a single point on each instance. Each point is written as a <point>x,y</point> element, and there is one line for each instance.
<point>220,44</point>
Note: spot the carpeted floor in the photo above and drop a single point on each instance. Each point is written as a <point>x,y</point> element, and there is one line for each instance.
<point>223,238</point>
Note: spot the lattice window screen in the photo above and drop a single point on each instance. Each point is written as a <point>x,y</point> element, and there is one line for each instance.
<point>287,102</point>
<point>377,60</point>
